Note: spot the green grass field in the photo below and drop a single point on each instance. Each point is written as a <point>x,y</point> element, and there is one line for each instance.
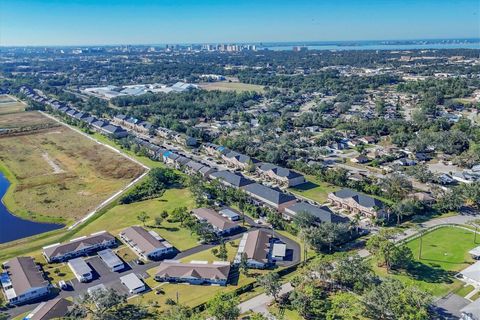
<point>232,86</point>
<point>126,215</point>
<point>444,253</point>
<point>314,189</point>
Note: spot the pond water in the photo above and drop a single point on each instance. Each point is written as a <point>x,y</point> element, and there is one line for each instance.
<point>13,227</point>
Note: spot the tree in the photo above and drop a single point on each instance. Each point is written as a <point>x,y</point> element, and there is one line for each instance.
<point>270,282</point>
<point>222,251</point>
<point>179,312</point>
<point>224,306</point>
<point>158,221</point>
<point>164,214</point>
<point>243,265</point>
<point>345,306</point>
<point>354,273</point>
<point>396,186</point>
<point>180,215</point>
<point>387,253</point>
<point>143,217</point>
<point>304,219</point>
<point>106,305</point>
<point>392,300</point>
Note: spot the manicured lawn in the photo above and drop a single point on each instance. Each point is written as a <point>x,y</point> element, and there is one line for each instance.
<point>475,296</point>
<point>58,175</point>
<point>207,255</point>
<point>286,314</point>
<point>123,216</point>
<point>463,291</point>
<point>314,189</point>
<point>444,253</point>
<point>64,272</point>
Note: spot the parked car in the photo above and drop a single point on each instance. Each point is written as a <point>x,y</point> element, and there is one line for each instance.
<point>62,285</point>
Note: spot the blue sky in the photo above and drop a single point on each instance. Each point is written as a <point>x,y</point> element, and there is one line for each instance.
<point>67,22</point>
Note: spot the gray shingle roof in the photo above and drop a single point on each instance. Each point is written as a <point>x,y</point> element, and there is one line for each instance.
<point>268,194</point>
<point>324,214</point>
<point>232,178</point>
<point>360,198</point>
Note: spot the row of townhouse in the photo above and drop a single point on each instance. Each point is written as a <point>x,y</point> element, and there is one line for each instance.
<point>144,127</point>
<point>100,125</point>
<point>282,176</point>
<point>260,194</point>
<point>357,203</point>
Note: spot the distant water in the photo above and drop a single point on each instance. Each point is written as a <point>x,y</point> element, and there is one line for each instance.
<point>376,46</point>
<point>14,228</point>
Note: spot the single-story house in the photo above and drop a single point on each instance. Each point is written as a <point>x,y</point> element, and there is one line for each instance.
<point>220,224</point>
<point>79,246</point>
<point>146,244</point>
<point>215,273</point>
<point>256,246</point>
<point>23,280</point>
<point>56,308</point>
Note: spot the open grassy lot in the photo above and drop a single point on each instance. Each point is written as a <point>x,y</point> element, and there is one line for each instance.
<point>123,216</point>
<point>314,189</point>
<point>232,86</point>
<point>59,175</point>
<point>207,255</point>
<point>10,105</point>
<point>444,253</point>
<point>23,119</point>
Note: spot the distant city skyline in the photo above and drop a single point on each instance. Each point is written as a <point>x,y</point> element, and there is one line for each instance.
<point>88,22</point>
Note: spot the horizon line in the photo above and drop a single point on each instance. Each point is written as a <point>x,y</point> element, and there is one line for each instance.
<point>475,39</point>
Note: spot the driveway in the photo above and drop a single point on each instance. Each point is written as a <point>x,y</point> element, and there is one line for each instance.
<point>260,302</point>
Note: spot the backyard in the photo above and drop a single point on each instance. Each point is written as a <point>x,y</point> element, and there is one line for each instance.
<point>314,189</point>
<point>444,253</point>
<point>125,215</point>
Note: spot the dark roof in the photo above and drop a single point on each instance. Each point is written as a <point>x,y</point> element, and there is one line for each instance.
<point>112,128</point>
<point>194,165</point>
<point>24,274</point>
<point>257,245</point>
<point>360,198</point>
<point>231,178</point>
<point>100,123</point>
<point>52,309</point>
<point>324,214</point>
<point>269,194</point>
<point>77,244</point>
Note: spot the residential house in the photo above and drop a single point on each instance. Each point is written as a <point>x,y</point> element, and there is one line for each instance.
<point>79,247</point>
<point>256,246</point>
<point>238,160</point>
<point>56,308</point>
<point>322,214</point>
<point>356,202</point>
<point>220,224</point>
<point>282,176</point>
<point>113,130</point>
<point>193,167</point>
<point>146,244</point>
<point>23,281</point>
<point>230,179</point>
<point>360,159</point>
<point>196,273</point>
<point>271,197</point>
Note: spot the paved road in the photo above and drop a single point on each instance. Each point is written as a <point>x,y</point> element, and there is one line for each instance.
<point>260,302</point>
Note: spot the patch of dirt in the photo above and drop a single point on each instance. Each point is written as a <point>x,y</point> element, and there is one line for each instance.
<point>56,168</point>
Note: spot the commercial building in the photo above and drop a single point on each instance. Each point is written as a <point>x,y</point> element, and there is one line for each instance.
<point>79,246</point>
<point>111,260</point>
<point>146,244</point>
<point>194,273</point>
<point>22,280</point>
<point>133,283</point>
<point>81,269</point>
<point>220,224</point>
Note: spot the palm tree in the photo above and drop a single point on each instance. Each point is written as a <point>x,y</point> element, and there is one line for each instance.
<point>421,231</point>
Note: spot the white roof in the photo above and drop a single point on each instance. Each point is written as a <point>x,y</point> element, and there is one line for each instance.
<point>131,281</point>
<point>100,286</point>
<point>79,266</point>
<point>472,272</point>
<point>472,310</point>
<point>279,249</point>
<point>110,258</point>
